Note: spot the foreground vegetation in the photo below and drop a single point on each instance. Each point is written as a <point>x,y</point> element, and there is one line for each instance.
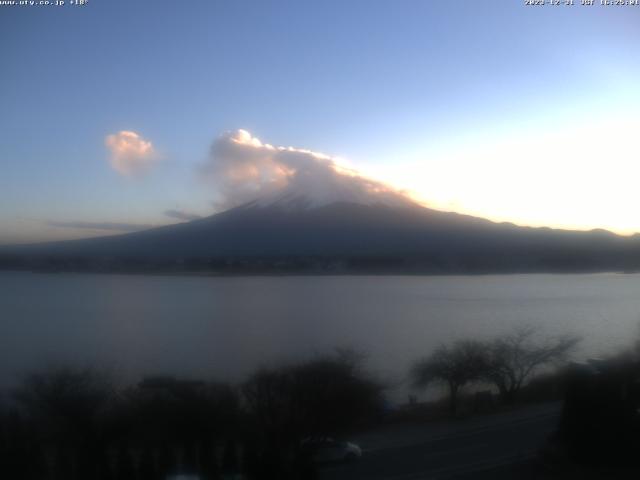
<point>79,424</point>
<point>506,363</point>
<point>75,424</point>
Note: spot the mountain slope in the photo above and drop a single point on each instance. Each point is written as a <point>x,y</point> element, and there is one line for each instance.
<point>389,236</point>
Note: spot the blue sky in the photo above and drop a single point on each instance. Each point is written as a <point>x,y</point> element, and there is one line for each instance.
<point>447,99</point>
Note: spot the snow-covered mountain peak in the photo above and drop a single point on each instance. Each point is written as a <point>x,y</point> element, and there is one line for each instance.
<point>310,198</point>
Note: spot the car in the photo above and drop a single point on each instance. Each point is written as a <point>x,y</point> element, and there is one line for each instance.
<point>328,450</point>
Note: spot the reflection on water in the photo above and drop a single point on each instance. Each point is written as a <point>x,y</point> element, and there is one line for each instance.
<point>213,327</point>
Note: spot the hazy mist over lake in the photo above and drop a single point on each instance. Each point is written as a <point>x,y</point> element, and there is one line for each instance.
<point>225,327</point>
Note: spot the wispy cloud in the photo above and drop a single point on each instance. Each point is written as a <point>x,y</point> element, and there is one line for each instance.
<point>105,226</point>
<point>131,155</point>
<point>181,215</point>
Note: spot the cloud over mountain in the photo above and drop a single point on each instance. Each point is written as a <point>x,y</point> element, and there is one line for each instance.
<point>181,215</point>
<point>131,154</point>
<point>242,169</point>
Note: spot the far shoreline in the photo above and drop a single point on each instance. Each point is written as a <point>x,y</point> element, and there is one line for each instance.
<point>240,274</point>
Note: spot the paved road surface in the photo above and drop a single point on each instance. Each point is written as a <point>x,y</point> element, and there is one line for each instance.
<point>472,448</point>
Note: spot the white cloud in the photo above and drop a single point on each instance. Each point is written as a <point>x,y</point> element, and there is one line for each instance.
<point>242,169</point>
<point>131,155</point>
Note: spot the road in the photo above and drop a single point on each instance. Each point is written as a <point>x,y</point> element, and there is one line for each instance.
<point>492,446</point>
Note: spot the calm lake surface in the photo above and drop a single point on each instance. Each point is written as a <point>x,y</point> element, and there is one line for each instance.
<point>225,327</point>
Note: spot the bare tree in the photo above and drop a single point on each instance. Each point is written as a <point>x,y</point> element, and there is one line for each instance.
<point>513,358</point>
<point>455,366</point>
<point>324,396</point>
<point>66,400</point>
<point>67,407</point>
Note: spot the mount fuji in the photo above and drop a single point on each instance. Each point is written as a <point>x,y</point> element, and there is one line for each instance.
<point>344,230</point>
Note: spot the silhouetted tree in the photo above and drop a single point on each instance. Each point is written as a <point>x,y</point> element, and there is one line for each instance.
<point>148,470</point>
<point>166,411</point>
<point>67,407</point>
<point>208,461</point>
<point>168,463</point>
<point>251,460</point>
<point>230,458</point>
<point>513,358</point>
<point>125,467</point>
<point>104,467</point>
<point>325,396</point>
<point>62,464</point>
<point>21,455</point>
<point>455,366</point>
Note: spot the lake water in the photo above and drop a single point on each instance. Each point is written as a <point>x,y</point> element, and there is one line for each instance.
<point>225,327</point>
